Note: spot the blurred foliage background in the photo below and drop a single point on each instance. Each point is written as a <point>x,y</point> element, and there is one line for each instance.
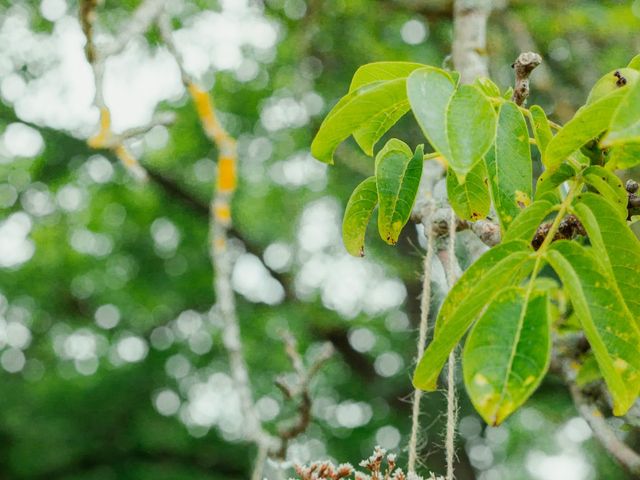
<point>112,364</point>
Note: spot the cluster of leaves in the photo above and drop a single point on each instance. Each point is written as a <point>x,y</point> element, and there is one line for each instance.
<point>509,308</point>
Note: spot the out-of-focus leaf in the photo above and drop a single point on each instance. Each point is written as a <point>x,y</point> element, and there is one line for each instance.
<point>398,173</point>
<point>615,243</point>
<point>588,122</point>
<point>589,371</point>
<point>361,204</point>
<point>510,170</point>
<point>635,63</point>
<point>471,129</point>
<point>507,352</point>
<point>611,331</point>
<point>609,186</point>
<point>541,129</point>
<point>504,265</point>
<point>429,91</point>
<point>471,200</point>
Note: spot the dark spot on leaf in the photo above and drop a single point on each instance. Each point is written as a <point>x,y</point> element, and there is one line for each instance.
<point>362,251</point>
<point>521,205</point>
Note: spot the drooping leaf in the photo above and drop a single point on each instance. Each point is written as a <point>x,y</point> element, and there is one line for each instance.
<point>507,352</point>
<point>612,333</point>
<point>625,124</point>
<point>624,156</point>
<point>550,180</point>
<point>527,222</point>
<point>541,129</point>
<point>471,200</point>
<point>471,129</point>
<point>589,122</point>
<point>398,173</point>
<point>361,204</point>
<point>504,265</point>
<point>509,168</point>
<point>616,245</point>
<point>609,186</point>
<point>375,102</point>
<point>368,135</point>
<point>381,71</point>
<point>429,91</point>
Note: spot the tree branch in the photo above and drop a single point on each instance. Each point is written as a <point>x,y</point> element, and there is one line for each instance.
<point>523,66</point>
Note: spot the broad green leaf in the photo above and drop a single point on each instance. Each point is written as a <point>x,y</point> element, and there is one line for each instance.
<point>361,204</point>
<point>635,63</point>
<point>471,129</point>
<point>381,71</point>
<point>615,243</point>
<point>625,124</point>
<point>398,173</point>
<point>609,186</point>
<point>368,135</point>
<point>429,91</point>
<point>550,180</point>
<point>375,102</point>
<point>610,82</point>
<point>588,122</point>
<point>504,265</point>
<point>507,352</point>
<point>613,335</point>
<point>471,200</point>
<point>624,156</point>
<point>509,168</point>
<point>527,222</point>
<point>541,129</point>
<point>487,87</point>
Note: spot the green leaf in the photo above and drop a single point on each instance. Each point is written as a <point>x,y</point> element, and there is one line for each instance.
<point>610,82</point>
<point>625,124</point>
<point>541,129</point>
<point>471,200</point>
<point>613,335</point>
<point>589,372</point>
<point>588,122</point>
<point>616,244</point>
<point>609,186</point>
<point>361,204</point>
<point>624,156</point>
<point>635,63</point>
<point>510,170</point>
<point>504,265</point>
<point>368,135</point>
<point>471,129</point>
<point>429,91</point>
<point>373,103</point>
<point>550,180</point>
<point>398,173</point>
<point>527,222</point>
<point>507,352</point>
<point>381,71</point>
<point>487,87</point>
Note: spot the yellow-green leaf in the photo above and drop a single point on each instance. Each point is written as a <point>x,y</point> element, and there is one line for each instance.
<point>527,222</point>
<point>609,186</point>
<point>625,124</point>
<point>361,204</point>
<point>507,352</point>
<point>541,129</point>
<point>611,331</point>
